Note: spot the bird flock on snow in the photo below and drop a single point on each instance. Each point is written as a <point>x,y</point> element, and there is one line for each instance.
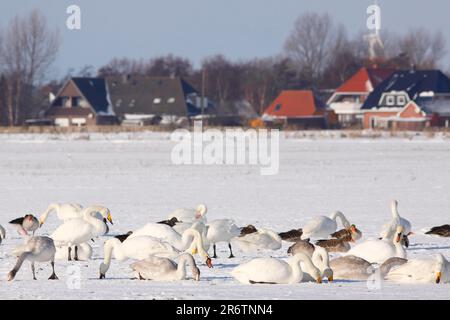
<point>162,251</point>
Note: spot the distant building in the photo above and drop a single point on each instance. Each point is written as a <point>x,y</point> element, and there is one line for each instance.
<point>82,102</point>
<point>141,100</point>
<point>299,108</point>
<point>409,100</point>
<point>348,99</point>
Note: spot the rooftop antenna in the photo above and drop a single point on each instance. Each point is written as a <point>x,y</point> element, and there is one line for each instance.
<point>376,46</point>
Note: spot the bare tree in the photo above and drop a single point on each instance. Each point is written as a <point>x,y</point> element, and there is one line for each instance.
<point>28,50</point>
<point>311,44</point>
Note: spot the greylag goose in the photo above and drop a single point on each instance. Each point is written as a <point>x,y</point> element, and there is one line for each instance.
<point>302,246</point>
<point>28,223</point>
<point>293,235</point>
<point>442,231</point>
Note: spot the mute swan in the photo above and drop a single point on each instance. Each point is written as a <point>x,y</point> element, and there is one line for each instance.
<point>388,229</point>
<point>138,248</point>
<point>66,212</point>
<point>443,231</point>
<point>26,224</point>
<point>2,234</point>
<point>378,251</point>
<point>190,215</point>
<point>222,230</point>
<point>37,249</point>
<point>263,239</point>
<point>84,252</point>
<point>351,268</point>
<point>164,269</point>
<point>292,235</point>
<point>275,271</point>
<point>247,230</point>
<point>323,227</point>
<point>77,231</point>
<point>435,270</point>
<point>167,234</point>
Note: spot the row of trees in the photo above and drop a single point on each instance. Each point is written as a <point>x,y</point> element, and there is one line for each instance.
<point>318,54</point>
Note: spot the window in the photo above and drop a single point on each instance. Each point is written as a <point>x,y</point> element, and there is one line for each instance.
<point>157,101</point>
<point>76,102</point>
<point>401,100</point>
<point>278,107</point>
<point>171,100</point>
<point>390,100</point>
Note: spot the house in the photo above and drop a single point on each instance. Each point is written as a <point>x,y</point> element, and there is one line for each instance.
<point>82,102</point>
<point>140,100</point>
<point>348,99</point>
<point>300,108</point>
<point>410,100</point>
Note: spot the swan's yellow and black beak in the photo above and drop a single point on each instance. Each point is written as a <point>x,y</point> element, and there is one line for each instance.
<point>109,218</point>
<point>438,277</point>
<point>194,251</point>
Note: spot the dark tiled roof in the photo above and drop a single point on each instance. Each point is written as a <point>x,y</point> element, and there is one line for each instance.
<point>151,95</point>
<point>95,91</point>
<point>412,82</point>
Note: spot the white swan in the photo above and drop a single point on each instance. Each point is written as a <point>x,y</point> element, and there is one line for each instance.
<point>222,230</point>
<point>164,269</point>
<point>275,271</point>
<point>388,229</point>
<point>84,252</point>
<point>138,248</point>
<point>191,238</point>
<point>190,215</point>
<point>36,249</point>
<point>74,232</point>
<point>322,226</point>
<point>263,239</point>
<point>2,234</point>
<point>378,251</point>
<point>435,270</point>
<point>320,259</point>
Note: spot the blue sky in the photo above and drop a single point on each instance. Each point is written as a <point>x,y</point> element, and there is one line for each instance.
<point>198,28</point>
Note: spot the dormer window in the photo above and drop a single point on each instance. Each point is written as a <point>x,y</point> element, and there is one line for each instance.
<point>401,100</point>
<point>171,100</point>
<point>157,101</point>
<point>390,100</point>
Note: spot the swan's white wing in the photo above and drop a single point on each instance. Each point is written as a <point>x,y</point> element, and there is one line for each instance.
<point>268,270</point>
<point>414,271</point>
<point>319,227</point>
<point>373,251</point>
<point>73,231</point>
<point>160,231</point>
<point>142,247</point>
<point>155,268</point>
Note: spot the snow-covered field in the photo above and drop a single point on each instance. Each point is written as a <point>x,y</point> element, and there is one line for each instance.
<point>136,180</point>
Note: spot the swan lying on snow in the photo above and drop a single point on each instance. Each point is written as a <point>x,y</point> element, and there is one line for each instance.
<point>190,215</point>
<point>2,234</point>
<point>351,268</point>
<point>322,227</point>
<point>275,271</point>
<point>26,224</point>
<point>262,239</point>
<point>388,229</point>
<point>36,249</point>
<point>164,269</point>
<point>140,248</point>
<point>435,270</point>
<point>378,251</point>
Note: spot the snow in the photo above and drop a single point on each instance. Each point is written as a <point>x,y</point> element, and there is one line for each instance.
<point>131,173</point>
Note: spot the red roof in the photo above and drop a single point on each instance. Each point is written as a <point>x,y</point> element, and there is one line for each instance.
<point>296,103</point>
<point>365,80</point>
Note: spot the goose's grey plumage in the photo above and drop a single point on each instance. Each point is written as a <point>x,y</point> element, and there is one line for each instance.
<point>334,245</point>
<point>28,223</point>
<point>302,246</point>
<point>291,235</point>
<point>351,268</point>
<point>442,231</point>
<point>391,263</point>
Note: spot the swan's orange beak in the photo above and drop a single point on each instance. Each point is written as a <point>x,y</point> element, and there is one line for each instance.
<point>438,277</point>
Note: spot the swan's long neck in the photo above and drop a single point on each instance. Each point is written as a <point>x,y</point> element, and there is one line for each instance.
<point>400,252</point>
<point>97,224</point>
<point>112,245</point>
<point>294,262</point>
<point>394,209</point>
<point>343,219</point>
<point>182,262</point>
<point>198,241</point>
<point>321,258</point>
<point>52,207</point>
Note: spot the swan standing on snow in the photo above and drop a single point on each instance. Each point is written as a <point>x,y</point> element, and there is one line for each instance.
<point>26,224</point>
<point>84,252</point>
<point>378,251</point>
<point>164,269</point>
<point>37,249</point>
<point>435,270</point>
<point>388,229</point>
<point>74,232</point>
<point>138,248</point>
<point>323,227</point>
<point>222,230</point>
<point>263,239</point>
<point>190,215</point>
<point>275,271</point>
<point>169,235</point>
<point>2,234</point>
